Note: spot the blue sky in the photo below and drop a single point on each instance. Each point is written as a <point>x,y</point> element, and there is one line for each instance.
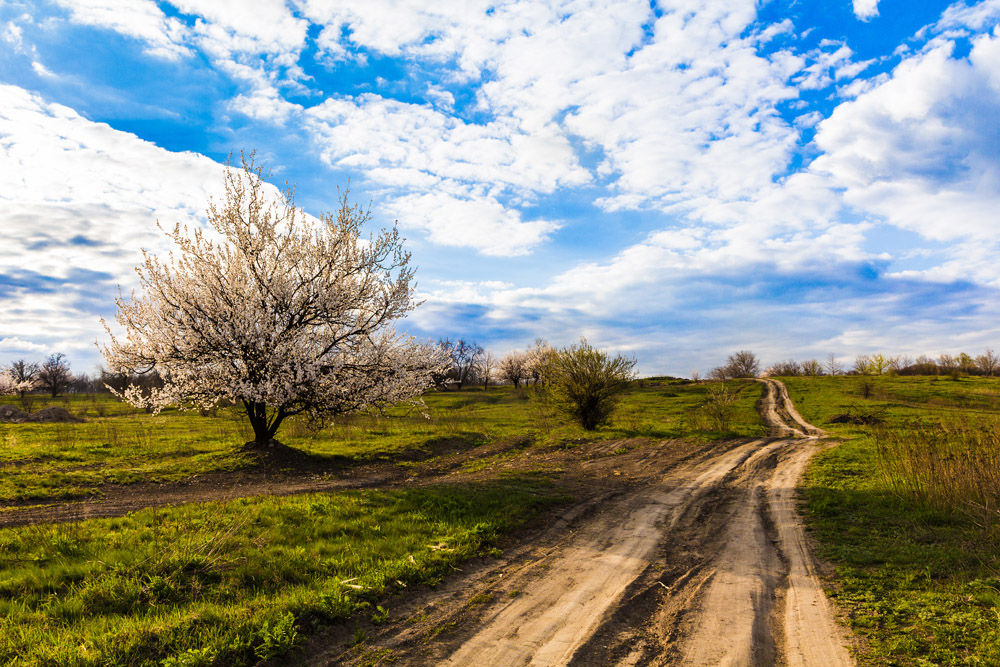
<point>676,180</point>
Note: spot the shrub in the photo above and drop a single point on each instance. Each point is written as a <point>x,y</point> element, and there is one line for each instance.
<point>585,382</point>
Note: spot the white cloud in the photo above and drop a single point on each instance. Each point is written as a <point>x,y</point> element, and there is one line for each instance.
<point>257,42</point>
<point>15,344</point>
<point>140,19</point>
<point>41,70</point>
<point>465,30</point>
<point>13,35</point>
<point>445,176</point>
<point>866,10</point>
<point>690,114</point>
<point>920,149</point>
<point>374,132</point>
<point>686,113</point>
<point>478,222</point>
<point>251,26</point>
<point>977,16</point>
<point>78,200</point>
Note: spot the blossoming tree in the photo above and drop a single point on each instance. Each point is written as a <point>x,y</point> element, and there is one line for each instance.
<point>8,385</point>
<point>279,312</point>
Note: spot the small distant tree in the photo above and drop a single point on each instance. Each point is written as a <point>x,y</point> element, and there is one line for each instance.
<point>285,314</point>
<point>25,375</point>
<point>966,363</point>
<point>787,368</point>
<point>878,363</point>
<point>899,363</point>
<point>487,367</point>
<point>812,368</point>
<point>947,364</point>
<point>464,357</point>
<point>742,364</point>
<point>924,365</point>
<point>586,383</point>
<point>537,359</point>
<point>833,366</point>
<point>514,367</point>
<point>862,365</point>
<point>988,363</point>
<point>54,375</point>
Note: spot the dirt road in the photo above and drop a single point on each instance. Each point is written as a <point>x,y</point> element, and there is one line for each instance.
<point>707,566</point>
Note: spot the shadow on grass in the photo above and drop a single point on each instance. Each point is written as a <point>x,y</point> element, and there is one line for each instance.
<point>278,456</point>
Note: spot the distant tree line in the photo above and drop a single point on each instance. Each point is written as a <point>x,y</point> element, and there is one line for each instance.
<point>53,377</point>
<point>746,364</point>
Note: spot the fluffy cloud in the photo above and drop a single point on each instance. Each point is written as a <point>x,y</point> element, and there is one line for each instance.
<point>866,10</point>
<point>247,26</point>
<point>446,176</point>
<point>922,149</point>
<point>475,221</point>
<point>374,132</point>
<point>680,106</point>
<point>78,200</point>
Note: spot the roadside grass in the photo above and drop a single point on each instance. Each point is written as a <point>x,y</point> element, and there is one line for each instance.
<point>231,583</point>
<point>118,444</point>
<point>906,510</point>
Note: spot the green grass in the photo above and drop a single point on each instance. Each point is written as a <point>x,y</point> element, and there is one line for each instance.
<point>120,445</point>
<point>919,576</point>
<point>899,401</point>
<point>234,582</point>
<point>237,581</point>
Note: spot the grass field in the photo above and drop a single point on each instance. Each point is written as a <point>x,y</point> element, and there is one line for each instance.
<point>906,509</point>
<point>234,582</point>
<point>120,445</point>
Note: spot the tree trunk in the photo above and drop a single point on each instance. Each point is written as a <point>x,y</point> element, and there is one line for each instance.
<point>263,428</point>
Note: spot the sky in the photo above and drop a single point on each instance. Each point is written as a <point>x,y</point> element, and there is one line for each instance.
<point>671,180</point>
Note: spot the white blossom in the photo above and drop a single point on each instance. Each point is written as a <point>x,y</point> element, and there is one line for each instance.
<point>282,313</point>
<point>8,385</point>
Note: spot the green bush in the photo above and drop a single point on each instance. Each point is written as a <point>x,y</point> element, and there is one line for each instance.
<point>586,383</point>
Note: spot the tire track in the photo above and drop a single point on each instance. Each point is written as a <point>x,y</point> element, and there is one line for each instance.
<point>709,566</point>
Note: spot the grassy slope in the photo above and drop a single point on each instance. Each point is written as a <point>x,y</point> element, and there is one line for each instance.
<point>921,584</point>
<point>236,581</point>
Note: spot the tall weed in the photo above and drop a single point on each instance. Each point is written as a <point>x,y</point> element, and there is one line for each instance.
<point>953,465</point>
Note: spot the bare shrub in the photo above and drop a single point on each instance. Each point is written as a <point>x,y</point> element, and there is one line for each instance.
<point>720,407</point>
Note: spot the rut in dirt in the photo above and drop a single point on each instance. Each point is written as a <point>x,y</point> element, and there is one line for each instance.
<point>707,566</point>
